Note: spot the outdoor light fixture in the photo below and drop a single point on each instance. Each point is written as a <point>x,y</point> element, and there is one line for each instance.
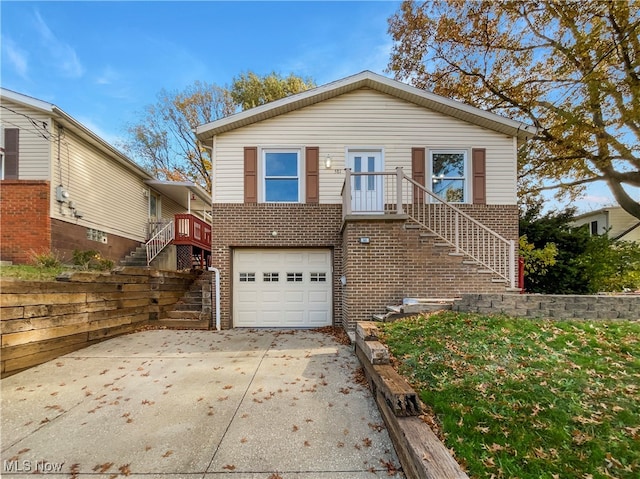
<point>327,162</point>
<point>274,233</point>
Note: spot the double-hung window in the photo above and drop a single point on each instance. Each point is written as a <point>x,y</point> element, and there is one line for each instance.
<point>281,173</point>
<point>449,175</point>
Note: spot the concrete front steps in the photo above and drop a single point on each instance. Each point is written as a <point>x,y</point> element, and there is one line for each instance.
<point>413,306</point>
<point>193,310</point>
<point>137,258</point>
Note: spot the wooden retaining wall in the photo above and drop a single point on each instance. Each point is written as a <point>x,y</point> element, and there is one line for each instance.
<point>40,321</point>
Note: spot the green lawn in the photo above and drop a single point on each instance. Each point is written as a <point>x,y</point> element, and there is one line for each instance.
<point>519,398</point>
<point>31,273</point>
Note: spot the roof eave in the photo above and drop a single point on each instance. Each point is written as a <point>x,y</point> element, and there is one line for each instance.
<point>380,83</point>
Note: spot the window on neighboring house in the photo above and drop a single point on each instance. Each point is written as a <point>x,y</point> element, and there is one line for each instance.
<point>9,154</point>
<point>281,173</point>
<point>449,174</point>
<point>594,227</point>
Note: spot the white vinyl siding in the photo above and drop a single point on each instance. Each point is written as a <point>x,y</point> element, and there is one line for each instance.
<point>362,119</point>
<point>109,196</point>
<point>35,150</point>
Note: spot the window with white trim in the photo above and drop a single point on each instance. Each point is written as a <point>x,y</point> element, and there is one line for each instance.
<point>281,175</point>
<point>449,174</point>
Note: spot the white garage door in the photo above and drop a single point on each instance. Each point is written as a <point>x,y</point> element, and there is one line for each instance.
<point>288,288</point>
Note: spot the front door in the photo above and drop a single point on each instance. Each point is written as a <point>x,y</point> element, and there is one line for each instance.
<point>367,191</point>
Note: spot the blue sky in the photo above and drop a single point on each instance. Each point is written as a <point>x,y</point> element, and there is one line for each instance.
<point>102,62</point>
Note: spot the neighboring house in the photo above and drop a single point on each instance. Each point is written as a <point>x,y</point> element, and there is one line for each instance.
<point>613,221</point>
<point>63,188</point>
<point>325,206</point>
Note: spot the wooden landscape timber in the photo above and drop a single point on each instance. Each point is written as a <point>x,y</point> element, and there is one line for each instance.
<point>40,321</point>
<point>421,453</point>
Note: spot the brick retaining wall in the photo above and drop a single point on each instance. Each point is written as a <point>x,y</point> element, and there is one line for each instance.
<point>43,320</point>
<point>552,306</point>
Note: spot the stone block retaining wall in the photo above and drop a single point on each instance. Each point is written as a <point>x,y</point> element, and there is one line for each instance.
<point>552,306</point>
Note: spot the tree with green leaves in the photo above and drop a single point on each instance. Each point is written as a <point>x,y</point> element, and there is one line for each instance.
<point>563,259</point>
<point>163,140</point>
<point>249,90</point>
<point>571,68</point>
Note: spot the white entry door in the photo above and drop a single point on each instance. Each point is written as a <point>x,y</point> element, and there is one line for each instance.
<point>367,191</point>
<point>282,288</point>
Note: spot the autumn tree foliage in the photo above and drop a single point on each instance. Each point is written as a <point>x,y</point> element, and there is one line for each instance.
<point>163,139</point>
<point>249,89</point>
<point>571,68</point>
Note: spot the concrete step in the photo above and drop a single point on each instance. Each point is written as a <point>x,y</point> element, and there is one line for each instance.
<point>394,309</point>
<point>182,315</point>
<point>183,324</point>
<point>187,307</point>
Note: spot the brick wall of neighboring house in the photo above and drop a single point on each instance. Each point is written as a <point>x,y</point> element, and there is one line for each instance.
<point>238,225</point>
<point>25,225</point>
<point>399,263</point>
<point>67,237</point>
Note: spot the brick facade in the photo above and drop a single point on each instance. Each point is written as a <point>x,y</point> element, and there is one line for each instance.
<point>400,262</point>
<point>25,225</point>
<point>238,225</point>
<point>396,263</point>
<point>67,237</point>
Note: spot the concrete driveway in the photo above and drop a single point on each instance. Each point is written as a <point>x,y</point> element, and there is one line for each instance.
<point>197,404</point>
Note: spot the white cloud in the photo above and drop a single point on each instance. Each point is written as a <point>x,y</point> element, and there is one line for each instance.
<point>16,56</point>
<point>62,54</point>
<point>107,76</point>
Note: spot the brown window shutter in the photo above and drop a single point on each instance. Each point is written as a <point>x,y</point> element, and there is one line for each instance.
<point>250,174</point>
<point>479,174</point>
<point>11,153</point>
<point>418,165</point>
<point>312,180</point>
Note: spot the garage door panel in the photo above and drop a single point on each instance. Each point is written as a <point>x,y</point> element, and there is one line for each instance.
<point>282,288</point>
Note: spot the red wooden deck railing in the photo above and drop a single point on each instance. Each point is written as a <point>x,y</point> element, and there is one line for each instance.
<point>191,230</point>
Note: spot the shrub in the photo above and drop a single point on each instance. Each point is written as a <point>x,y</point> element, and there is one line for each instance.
<point>91,259</point>
<point>44,259</point>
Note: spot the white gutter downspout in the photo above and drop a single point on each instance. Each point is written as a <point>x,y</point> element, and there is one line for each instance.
<point>217,283</point>
<point>211,268</point>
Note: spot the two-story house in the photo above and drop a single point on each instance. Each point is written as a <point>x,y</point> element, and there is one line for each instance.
<point>63,188</point>
<point>332,203</point>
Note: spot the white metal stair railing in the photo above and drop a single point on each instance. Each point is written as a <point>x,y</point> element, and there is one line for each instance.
<point>466,234</point>
<point>159,241</point>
